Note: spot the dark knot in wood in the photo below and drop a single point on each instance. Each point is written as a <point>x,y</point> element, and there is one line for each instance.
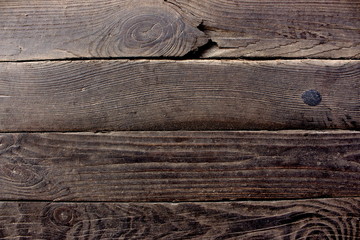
<point>63,216</point>
<point>20,175</point>
<point>311,97</point>
<point>7,143</point>
<point>313,232</point>
<point>320,226</point>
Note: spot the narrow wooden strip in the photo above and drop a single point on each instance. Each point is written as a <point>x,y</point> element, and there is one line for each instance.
<point>51,29</point>
<point>285,220</point>
<point>179,166</point>
<point>173,95</point>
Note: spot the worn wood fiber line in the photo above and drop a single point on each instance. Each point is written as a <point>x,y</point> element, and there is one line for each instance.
<point>49,29</point>
<point>173,95</point>
<point>179,166</point>
<point>301,219</point>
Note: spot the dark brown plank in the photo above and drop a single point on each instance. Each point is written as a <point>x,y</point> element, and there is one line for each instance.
<point>52,29</point>
<point>179,166</point>
<point>173,95</point>
<point>283,220</point>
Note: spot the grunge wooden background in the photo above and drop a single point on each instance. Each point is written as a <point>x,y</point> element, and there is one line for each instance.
<point>180,119</point>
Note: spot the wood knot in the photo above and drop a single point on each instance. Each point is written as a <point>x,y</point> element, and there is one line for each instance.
<point>150,31</point>
<point>311,97</point>
<point>315,234</point>
<point>64,216</point>
<point>20,174</point>
<point>319,226</point>
<point>7,142</point>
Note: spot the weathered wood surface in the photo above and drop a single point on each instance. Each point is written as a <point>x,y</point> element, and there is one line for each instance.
<point>179,166</point>
<point>52,29</point>
<point>281,28</point>
<point>283,220</point>
<point>173,95</point>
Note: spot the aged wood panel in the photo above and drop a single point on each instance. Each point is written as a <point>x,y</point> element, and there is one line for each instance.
<point>52,29</point>
<point>179,166</point>
<point>283,220</point>
<point>173,95</point>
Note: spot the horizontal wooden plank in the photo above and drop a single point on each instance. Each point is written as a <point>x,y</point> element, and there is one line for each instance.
<point>280,28</point>
<point>173,95</point>
<point>179,166</point>
<point>51,29</point>
<point>283,220</point>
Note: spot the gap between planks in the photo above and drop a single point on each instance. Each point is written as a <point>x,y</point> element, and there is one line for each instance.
<point>177,59</point>
<point>264,200</point>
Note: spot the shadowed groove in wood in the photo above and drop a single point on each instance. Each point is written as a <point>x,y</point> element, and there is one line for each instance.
<point>178,95</point>
<point>285,220</point>
<point>179,166</point>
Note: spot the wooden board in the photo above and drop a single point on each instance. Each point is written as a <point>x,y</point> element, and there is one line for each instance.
<point>283,220</point>
<point>52,29</point>
<point>281,28</point>
<point>179,166</point>
<point>173,95</point>
<point>73,73</point>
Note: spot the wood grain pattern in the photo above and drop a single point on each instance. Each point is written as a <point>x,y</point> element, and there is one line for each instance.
<point>283,220</point>
<point>43,29</point>
<point>281,28</point>
<point>173,95</point>
<point>51,29</point>
<point>179,166</point>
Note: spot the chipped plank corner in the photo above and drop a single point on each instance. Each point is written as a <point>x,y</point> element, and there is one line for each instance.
<point>180,119</point>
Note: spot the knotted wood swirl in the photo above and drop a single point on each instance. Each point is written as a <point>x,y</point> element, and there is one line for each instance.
<point>96,29</point>
<point>148,31</point>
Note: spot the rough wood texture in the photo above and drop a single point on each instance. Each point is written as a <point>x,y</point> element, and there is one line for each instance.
<point>283,220</point>
<point>173,95</point>
<point>52,29</point>
<point>281,28</point>
<point>48,29</point>
<point>179,166</point>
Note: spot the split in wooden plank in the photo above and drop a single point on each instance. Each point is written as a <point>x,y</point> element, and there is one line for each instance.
<point>51,29</point>
<point>287,220</point>
<point>281,28</point>
<point>179,95</point>
<point>179,166</point>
